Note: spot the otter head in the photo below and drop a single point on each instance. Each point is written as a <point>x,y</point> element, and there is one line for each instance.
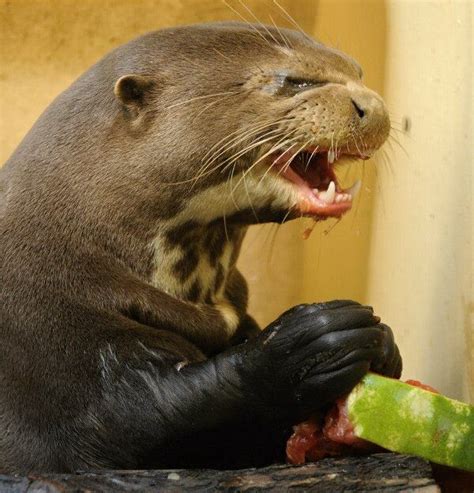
<point>225,125</point>
<point>247,122</point>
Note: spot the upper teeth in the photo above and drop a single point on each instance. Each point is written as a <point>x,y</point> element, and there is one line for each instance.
<point>331,156</point>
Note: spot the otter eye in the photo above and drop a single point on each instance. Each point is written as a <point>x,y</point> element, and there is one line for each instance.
<point>295,85</point>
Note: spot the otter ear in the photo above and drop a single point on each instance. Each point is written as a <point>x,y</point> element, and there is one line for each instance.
<point>133,90</point>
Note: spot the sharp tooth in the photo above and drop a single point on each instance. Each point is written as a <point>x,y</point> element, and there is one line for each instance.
<point>331,156</point>
<point>330,194</point>
<point>315,191</point>
<point>354,190</point>
<point>339,198</point>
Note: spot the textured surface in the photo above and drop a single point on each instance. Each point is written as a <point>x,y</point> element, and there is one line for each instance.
<point>378,472</point>
<point>411,420</point>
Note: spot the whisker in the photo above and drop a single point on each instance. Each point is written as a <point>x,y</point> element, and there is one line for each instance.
<point>271,250</point>
<point>224,217</point>
<point>204,171</point>
<point>239,138</point>
<point>246,22</point>
<point>331,148</point>
<point>337,143</point>
<point>286,216</point>
<point>205,96</point>
<point>229,181</point>
<point>222,55</point>
<point>237,131</point>
<point>355,142</point>
<point>273,164</point>
<point>284,38</point>
<point>275,148</point>
<point>259,231</point>
<point>332,226</point>
<point>393,127</point>
<point>361,141</point>
<point>386,160</point>
<point>392,137</point>
<point>273,133</point>
<point>239,154</point>
<point>379,190</point>
<point>311,157</point>
<point>209,105</point>
<point>250,200</point>
<point>288,163</point>
<point>358,199</point>
<point>291,19</point>
<point>395,118</point>
<point>258,21</point>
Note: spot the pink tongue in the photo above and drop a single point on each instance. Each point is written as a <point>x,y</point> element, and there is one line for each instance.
<point>290,175</point>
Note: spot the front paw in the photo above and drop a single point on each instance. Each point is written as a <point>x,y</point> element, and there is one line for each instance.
<point>313,354</point>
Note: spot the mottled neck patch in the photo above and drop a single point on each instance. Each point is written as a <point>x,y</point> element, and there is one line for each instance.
<point>192,260</point>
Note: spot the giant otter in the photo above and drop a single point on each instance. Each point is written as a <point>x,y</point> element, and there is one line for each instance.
<point>124,332</point>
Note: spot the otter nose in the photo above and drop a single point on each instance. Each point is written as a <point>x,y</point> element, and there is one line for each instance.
<point>366,102</point>
<point>369,114</point>
<point>358,108</point>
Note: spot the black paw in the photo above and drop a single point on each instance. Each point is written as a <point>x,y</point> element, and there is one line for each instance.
<point>315,353</point>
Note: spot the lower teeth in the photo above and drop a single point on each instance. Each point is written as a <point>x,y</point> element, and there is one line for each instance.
<point>330,196</point>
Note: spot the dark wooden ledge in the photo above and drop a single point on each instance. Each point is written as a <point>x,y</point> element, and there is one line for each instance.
<point>376,473</point>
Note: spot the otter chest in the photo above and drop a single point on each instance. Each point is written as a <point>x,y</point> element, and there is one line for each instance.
<point>192,262</point>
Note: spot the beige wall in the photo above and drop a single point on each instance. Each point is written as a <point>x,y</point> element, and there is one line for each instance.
<point>420,275</point>
<point>406,246</point>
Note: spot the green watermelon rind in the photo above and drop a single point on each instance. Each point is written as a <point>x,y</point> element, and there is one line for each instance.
<point>411,420</point>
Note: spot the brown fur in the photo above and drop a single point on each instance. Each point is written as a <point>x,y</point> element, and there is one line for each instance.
<point>95,210</point>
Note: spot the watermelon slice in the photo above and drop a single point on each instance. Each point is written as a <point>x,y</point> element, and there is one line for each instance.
<point>412,420</point>
<point>409,418</point>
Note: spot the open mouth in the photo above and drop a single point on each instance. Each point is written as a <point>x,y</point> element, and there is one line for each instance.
<point>312,172</point>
